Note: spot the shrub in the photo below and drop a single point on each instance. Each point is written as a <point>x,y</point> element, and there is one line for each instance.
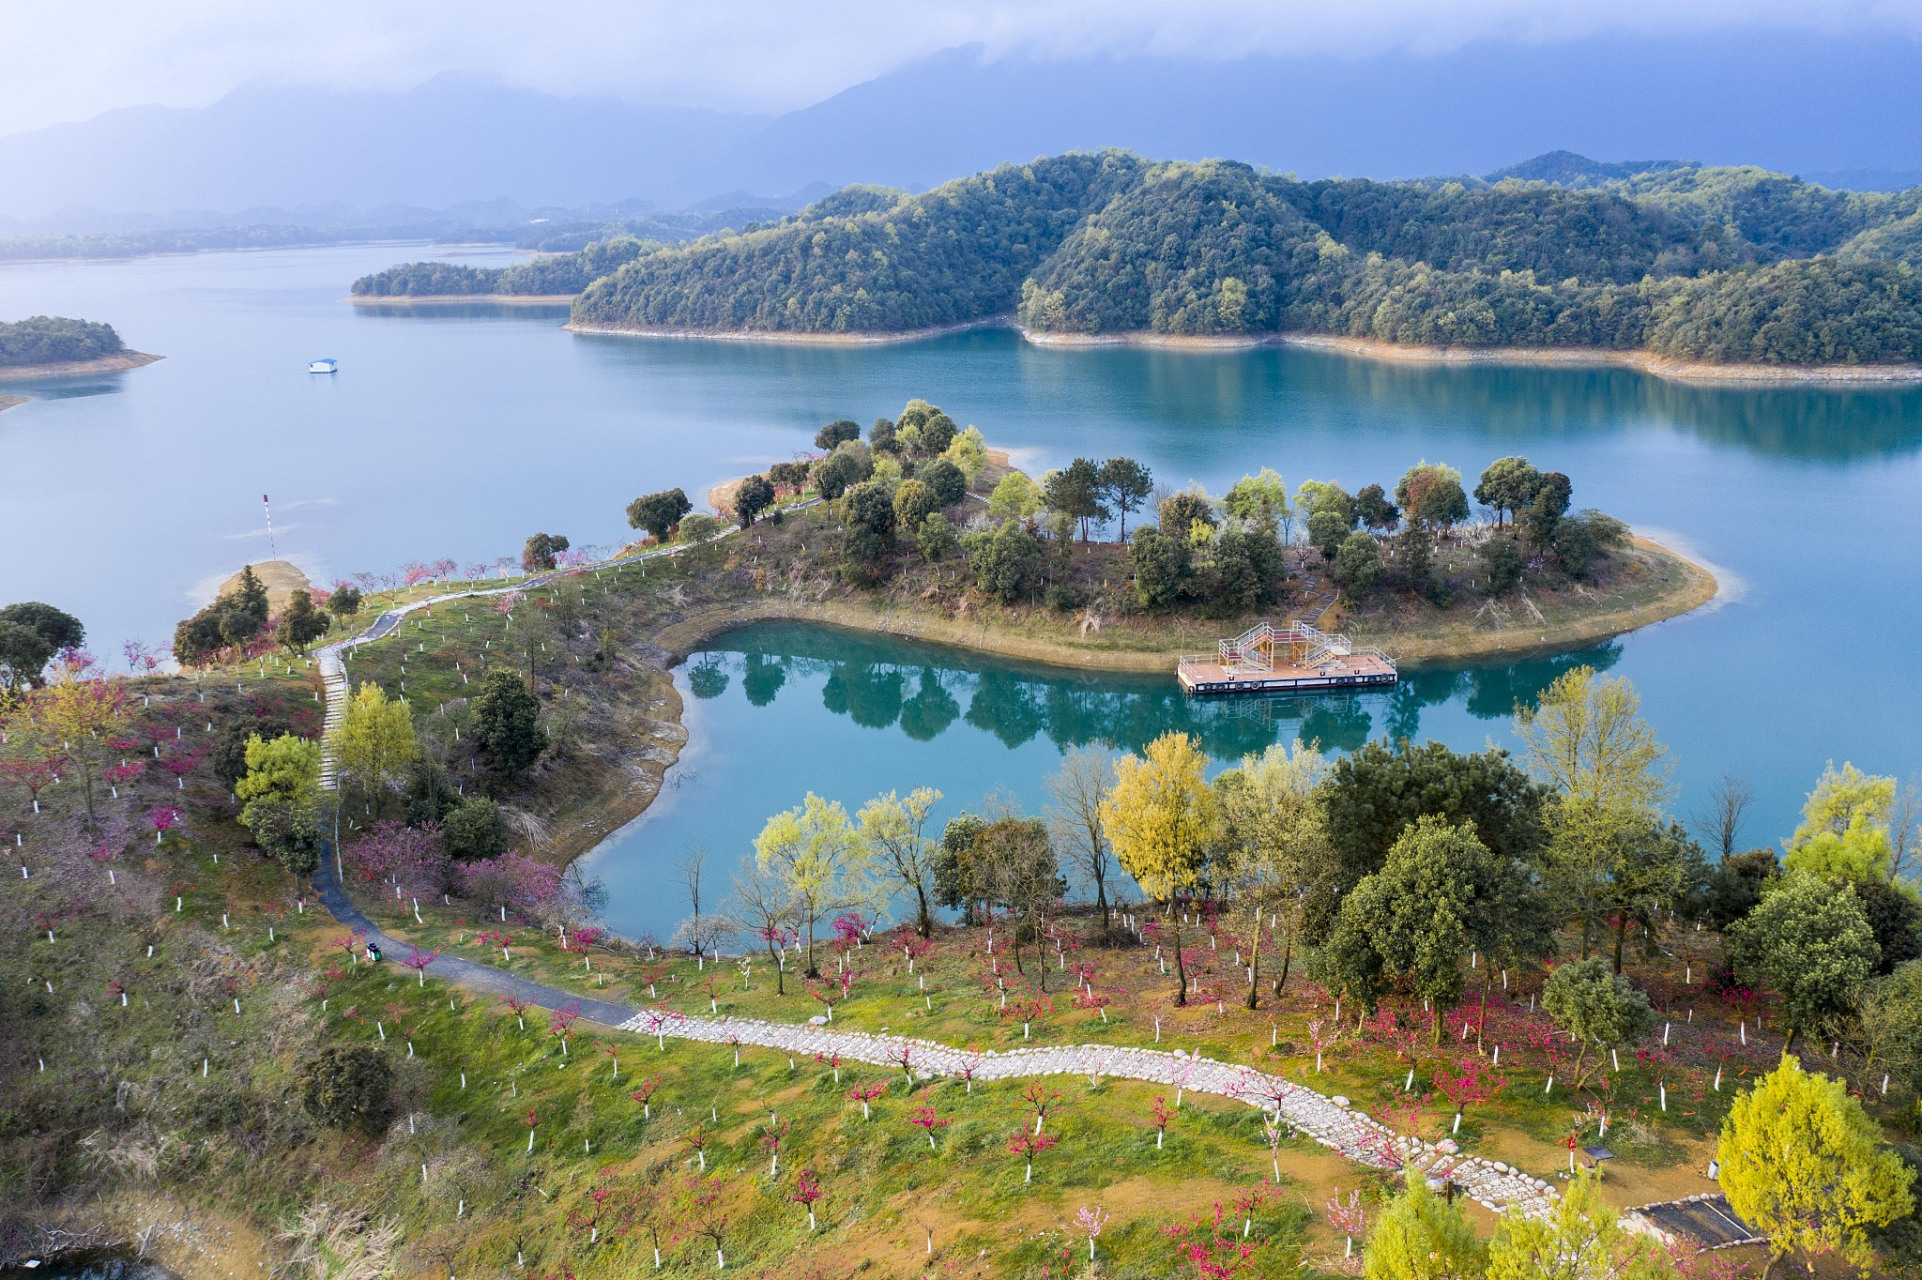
<point>349,1086</point>
<point>946,480</point>
<point>1501,560</point>
<point>476,830</point>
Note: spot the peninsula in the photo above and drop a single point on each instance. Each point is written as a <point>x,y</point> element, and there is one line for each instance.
<point>551,1105</point>
<point>1683,271</point>
<point>56,347</point>
<point>918,530</point>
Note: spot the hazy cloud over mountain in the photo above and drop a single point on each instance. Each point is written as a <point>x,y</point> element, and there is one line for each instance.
<point>76,58</point>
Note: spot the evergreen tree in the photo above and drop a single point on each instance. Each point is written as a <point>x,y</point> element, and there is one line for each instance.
<point>507,725</point>
<point>659,513</point>
<point>301,624</point>
<point>1804,1164</point>
<point>755,495</point>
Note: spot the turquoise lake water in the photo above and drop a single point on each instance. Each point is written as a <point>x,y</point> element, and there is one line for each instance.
<point>458,433</point>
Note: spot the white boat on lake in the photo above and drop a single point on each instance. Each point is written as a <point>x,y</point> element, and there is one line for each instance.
<point>328,365</point>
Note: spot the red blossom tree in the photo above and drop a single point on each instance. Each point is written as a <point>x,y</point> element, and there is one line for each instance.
<point>924,1117</point>
<point>418,961</point>
<point>866,1093</point>
<point>1162,1115</point>
<point>644,1095</point>
<point>1027,1146</point>
<point>807,1189</point>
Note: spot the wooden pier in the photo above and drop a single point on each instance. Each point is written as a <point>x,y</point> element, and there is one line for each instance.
<point>1296,658</point>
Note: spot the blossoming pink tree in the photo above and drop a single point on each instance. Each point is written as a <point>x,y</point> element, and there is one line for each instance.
<point>807,1190</point>
<point>866,1093</point>
<point>164,818</point>
<point>1350,1217</point>
<point>1090,1221</point>
<point>924,1117</point>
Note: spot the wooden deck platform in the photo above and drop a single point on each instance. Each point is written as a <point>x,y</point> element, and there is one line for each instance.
<point>1355,671</point>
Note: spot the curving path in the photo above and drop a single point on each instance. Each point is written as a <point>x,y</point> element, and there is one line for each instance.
<point>333,668</point>
<point>1329,1121</point>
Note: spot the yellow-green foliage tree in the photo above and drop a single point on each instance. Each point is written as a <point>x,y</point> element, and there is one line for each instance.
<point>1607,859</point>
<point>1845,827</point>
<point>896,830</point>
<point>1421,1237</point>
<point>375,743</point>
<point>1271,836</point>
<point>1581,1238</point>
<point>1160,818</point>
<point>820,855</point>
<point>1804,1164</point>
<point>280,799</point>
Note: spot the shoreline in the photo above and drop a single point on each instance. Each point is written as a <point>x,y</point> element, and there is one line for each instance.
<point>1698,372</point>
<point>681,637</point>
<point>77,368</point>
<point>457,299</point>
<point>1692,371</point>
<point>788,337</point>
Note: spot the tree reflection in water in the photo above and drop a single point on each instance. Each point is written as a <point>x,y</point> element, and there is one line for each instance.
<point>879,682</point>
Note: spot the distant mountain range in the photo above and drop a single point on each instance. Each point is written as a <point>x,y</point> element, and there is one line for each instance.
<point>1843,108</point>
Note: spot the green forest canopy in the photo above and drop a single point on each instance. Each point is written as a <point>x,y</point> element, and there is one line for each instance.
<point>549,275</point>
<point>1729,264</point>
<point>41,340</point>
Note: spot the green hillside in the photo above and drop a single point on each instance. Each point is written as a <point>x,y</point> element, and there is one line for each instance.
<point>550,274</point>
<point>1722,264</point>
<point>40,340</point>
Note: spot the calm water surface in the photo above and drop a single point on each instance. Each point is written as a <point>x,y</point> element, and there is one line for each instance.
<point>457,434</point>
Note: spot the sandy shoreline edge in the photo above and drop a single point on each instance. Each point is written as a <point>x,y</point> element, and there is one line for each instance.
<point>78,368</point>
<point>1690,371</point>
<point>696,628</point>
<point>784,337</point>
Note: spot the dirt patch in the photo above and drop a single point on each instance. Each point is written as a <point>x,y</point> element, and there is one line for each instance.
<point>192,1241</point>
<point>8,402</point>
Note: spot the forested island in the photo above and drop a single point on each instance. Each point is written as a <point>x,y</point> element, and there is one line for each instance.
<point>550,275</point>
<point>1678,262</point>
<point>42,346</point>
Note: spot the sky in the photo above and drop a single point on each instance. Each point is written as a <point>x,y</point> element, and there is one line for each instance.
<point>73,59</point>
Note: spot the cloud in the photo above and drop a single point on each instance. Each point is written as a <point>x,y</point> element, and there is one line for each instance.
<point>73,59</point>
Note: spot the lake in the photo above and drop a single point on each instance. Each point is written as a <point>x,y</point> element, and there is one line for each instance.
<point>458,433</point>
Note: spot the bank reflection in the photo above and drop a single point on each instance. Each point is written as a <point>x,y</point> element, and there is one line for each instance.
<point>888,684</point>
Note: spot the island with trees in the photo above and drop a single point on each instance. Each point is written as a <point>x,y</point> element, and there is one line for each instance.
<point>547,277</point>
<point>1680,269</point>
<point>55,346</point>
<point>1403,1012</point>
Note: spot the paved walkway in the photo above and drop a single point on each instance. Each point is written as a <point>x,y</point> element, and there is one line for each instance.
<point>333,667</point>
<point>1333,1124</point>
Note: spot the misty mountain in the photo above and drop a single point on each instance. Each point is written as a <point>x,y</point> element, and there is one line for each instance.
<point>1845,106</point>
<point>451,141</point>
<point>1786,101</point>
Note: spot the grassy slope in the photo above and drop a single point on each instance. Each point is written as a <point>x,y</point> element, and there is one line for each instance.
<point>235,1144</point>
